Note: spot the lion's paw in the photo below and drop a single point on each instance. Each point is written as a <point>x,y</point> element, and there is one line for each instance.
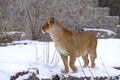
<point>85,65</point>
<point>65,71</point>
<point>93,65</point>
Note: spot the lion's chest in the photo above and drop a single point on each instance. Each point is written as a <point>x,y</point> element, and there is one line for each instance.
<point>62,50</point>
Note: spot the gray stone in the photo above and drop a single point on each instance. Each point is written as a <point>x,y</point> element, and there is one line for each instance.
<point>74,14</point>
<point>6,37</point>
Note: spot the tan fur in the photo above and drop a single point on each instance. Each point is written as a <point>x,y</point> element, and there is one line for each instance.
<point>71,44</point>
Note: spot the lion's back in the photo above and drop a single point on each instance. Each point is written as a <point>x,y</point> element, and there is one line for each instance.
<point>83,39</point>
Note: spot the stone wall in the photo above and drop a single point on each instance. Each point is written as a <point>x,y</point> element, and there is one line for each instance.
<point>113,4</point>
<point>29,15</point>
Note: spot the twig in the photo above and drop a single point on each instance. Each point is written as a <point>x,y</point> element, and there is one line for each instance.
<point>53,57</point>
<point>104,65</point>
<point>81,67</point>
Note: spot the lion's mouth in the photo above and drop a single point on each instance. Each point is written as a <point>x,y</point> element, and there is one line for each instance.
<point>43,29</point>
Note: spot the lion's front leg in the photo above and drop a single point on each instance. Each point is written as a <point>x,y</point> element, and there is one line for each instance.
<point>65,61</point>
<point>72,63</point>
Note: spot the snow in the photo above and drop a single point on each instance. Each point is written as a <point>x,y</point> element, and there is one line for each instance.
<point>118,26</point>
<point>43,56</point>
<point>13,32</point>
<point>109,32</point>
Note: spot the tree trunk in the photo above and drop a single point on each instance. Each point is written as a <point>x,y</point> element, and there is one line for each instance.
<point>28,27</point>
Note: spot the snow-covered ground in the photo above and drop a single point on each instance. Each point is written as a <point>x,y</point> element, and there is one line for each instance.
<point>43,56</point>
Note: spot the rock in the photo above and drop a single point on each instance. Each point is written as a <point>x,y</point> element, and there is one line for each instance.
<point>8,37</point>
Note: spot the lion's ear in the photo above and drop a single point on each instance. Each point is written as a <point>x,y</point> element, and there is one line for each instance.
<point>51,20</point>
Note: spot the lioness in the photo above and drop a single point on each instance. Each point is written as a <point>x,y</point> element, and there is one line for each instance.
<point>71,44</point>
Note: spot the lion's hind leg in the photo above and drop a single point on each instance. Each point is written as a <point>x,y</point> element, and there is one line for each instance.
<point>93,56</point>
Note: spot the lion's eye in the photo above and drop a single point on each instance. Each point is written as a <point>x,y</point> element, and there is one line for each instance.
<point>50,21</point>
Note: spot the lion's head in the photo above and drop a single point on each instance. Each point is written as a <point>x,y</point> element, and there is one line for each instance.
<point>46,27</point>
